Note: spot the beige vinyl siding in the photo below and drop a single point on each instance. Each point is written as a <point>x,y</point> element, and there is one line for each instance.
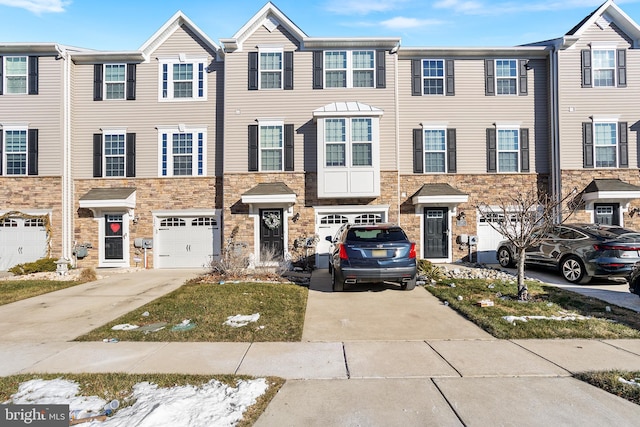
<point>243,106</point>
<point>470,112</point>
<point>578,105</point>
<point>143,115</point>
<point>43,112</point>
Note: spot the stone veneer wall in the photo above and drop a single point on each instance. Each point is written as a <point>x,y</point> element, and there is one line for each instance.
<point>26,193</point>
<point>580,178</point>
<point>481,188</point>
<point>151,194</point>
<point>304,185</point>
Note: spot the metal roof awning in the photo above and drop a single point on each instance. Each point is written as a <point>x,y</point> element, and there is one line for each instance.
<point>439,193</point>
<point>610,189</point>
<point>97,198</point>
<point>273,192</point>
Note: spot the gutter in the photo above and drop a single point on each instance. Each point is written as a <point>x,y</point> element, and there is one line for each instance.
<point>67,179</point>
<point>556,179</point>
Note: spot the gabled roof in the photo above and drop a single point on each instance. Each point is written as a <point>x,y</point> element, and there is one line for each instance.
<point>269,16</point>
<point>176,21</point>
<point>610,189</point>
<point>607,12</point>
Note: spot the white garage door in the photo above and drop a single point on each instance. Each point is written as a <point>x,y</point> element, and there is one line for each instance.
<point>488,237</point>
<point>21,240</point>
<point>187,242</point>
<point>328,225</point>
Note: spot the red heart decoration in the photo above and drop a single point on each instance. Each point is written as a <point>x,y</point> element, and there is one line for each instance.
<point>115,227</point>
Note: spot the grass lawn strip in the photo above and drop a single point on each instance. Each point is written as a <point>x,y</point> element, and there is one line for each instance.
<point>16,290</point>
<point>120,386</point>
<point>621,383</point>
<point>208,307</point>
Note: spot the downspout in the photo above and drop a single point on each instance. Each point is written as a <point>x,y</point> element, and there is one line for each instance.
<point>397,129</point>
<point>556,181</point>
<point>67,179</point>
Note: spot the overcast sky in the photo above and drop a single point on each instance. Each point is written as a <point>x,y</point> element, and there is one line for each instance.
<point>127,24</point>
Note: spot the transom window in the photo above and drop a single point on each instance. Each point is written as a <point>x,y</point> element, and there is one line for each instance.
<point>114,80</point>
<point>15,152</point>
<point>339,136</point>
<point>183,80</point>
<point>435,146</point>
<point>605,144</point>
<point>270,70</point>
<point>334,219</point>
<point>433,76</point>
<point>173,222</point>
<point>16,71</point>
<point>182,153</point>
<point>508,150</point>
<point>348,69</point>
<point>506,77</point>
<point>114,154</point>
<point>604,67</point>
<point>271,147</point>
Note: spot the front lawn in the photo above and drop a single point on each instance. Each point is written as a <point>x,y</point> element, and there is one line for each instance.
<point>565,314</point>
<point>16,290</point>
<point>197,311</point>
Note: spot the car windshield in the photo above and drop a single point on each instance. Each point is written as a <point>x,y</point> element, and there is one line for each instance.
<point>375,235</point>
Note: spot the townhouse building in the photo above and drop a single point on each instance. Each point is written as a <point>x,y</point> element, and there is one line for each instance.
<point>152,157</point>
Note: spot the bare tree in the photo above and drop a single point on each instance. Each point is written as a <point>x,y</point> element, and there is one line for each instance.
<point>524,219</point>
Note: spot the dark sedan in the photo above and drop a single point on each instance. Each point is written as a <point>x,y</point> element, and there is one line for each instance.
<point>634,280</point>
<point>582,252</point>
<point>370,254</point>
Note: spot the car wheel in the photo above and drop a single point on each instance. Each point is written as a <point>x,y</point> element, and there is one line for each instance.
<point>337,285</point>
<point>407,286</point>
<point>505,258</point>
<point>573,270</point>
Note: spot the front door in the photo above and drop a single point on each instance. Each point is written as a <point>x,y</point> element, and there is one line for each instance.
<point>436,233</point>
<point>271,235</point>
<point>113,237</point>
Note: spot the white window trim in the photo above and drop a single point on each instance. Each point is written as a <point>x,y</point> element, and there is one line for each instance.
<point>271,49</point>
<point>604,46</point>
<point>444,72</point>
<point>5,76</point>
<point>270,122</point>
<point>169,131</point>
<point>424,148</point>
<point>105,83</point>
<point>509,127</point>
<point>114,131</point>
<point>4,130</point>
<point>182,59</point>
<point>349,68</point>
<point>516,78</point>
<point>606,120</point>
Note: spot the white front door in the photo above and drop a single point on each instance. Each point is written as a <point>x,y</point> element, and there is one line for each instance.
<point>114,238</point>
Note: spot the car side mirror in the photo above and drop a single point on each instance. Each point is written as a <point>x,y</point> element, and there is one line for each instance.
<point>329,239</point>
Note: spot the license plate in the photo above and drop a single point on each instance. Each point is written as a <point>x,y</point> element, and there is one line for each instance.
<point>379,253</point>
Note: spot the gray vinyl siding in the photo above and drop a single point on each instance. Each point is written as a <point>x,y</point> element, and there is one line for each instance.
<point>243,106</point>
<point>471,112</point>
<point>43,112</point>
<point>578,105</point>
<point>143,115</point>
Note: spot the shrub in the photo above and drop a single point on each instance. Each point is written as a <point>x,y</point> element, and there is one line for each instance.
<point>234,258</point>
<point>429,271</point>
<point>39,266</point>
<point>88,275</point>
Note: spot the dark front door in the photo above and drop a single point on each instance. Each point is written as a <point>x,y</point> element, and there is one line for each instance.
<point>607,214</point>
<point>436,233</point>
<point>113,237</point>
<point>271,235</point>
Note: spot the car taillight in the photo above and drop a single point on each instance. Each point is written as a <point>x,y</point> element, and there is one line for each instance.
<point>412,251</point>
<point>615,248</point>
<point>343,252</point>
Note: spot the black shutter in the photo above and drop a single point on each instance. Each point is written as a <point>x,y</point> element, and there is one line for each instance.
<point>450,77</point>
<point>524,150</point>
<point>253,70</point>
<point>489,77</point>
<point>97,155</point>
<point>131,155</point>
<point>381,74</point>
<point>451,151</point>
<point>32,152</point>
<point>253,148</point>
<point>418,152</point>
<point>33,75</point>
<point>492,165</point>
<point>318,69</point>
<point>586,67</point>
<point>131,82</point>
<point>1,78</point>
<point>416,77</point>
<point>1,146</point>
<point>622,68</point>
<point>587,145</point>
<point>623,145</point>
<point>523,90</point>
<point>97,82</point>
<point>288,71</point>
<point>288,148</point>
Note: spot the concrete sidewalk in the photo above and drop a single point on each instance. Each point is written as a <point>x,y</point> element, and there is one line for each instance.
<point>355,379</point>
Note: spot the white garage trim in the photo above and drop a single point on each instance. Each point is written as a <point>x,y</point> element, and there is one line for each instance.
<point>22,239</point>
